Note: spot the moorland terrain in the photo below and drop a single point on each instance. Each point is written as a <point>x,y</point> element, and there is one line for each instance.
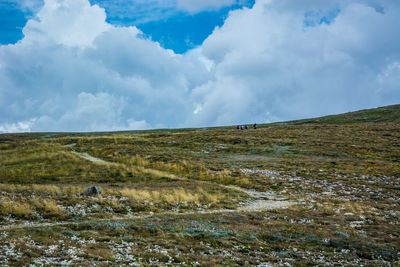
<point>322,191</point>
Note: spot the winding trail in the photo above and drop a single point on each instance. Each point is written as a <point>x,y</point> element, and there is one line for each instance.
<point>86,156</point>
<point>260,201</point>
<point>92,159</point>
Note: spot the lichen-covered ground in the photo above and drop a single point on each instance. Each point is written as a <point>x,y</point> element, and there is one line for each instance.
<point>313,192</point>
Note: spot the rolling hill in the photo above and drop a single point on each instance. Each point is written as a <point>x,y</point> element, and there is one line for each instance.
<point>309,192</point>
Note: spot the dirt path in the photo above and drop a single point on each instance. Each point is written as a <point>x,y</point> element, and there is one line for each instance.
<point>250,193</point>
<point>92,159</point>
<point>260,201</point>
<point>86,156</point>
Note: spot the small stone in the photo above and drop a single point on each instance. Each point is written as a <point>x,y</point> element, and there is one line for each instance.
<point>342,234</point>
<point>92,191</point>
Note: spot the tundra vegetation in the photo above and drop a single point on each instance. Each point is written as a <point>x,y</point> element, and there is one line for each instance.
<point>183,196</point>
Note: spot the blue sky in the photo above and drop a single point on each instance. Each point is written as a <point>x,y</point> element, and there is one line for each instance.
<point>313,18</point>
<point>96,65</point>
<point>185,31</point>
<point>162,21</point>
<point>12,20</point>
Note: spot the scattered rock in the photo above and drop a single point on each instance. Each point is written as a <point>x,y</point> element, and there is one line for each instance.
<point>263,264</point>
<point>92,191</point>
<point>342,234</point>
<point>70,234</point>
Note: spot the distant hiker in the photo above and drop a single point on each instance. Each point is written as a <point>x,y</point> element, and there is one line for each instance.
<point>255,126</point>
<point>237,127</point>
<point>241,127</point>
<point>246,127</point>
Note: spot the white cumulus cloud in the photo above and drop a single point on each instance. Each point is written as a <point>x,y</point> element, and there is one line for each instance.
<point>73,71</point>
<point>21,126</point>
<point>268,65</point>
<point>279,60</point>
<point>71,23</point>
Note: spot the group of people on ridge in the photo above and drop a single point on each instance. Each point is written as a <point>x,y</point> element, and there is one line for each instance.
<point>241,127</point>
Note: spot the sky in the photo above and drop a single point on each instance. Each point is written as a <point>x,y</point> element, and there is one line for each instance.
<point>80,65</point>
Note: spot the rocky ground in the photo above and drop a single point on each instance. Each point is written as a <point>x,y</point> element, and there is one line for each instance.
<point>317,192</point>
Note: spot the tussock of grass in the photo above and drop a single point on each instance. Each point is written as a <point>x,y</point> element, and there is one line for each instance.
<point>177,195</point>
<point>47,189</point>
<point>43,189</point>
<point>11,188</point>
<point>48,208</point>
<point>157,173</point>
<point>353,207</point>
<point>15,208</point>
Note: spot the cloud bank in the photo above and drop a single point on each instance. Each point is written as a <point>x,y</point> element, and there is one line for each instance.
<point>276,61</point>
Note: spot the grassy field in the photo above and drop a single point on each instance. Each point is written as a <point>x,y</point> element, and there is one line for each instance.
<point>323,191</point>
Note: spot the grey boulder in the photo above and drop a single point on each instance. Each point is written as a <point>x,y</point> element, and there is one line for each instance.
<point>92,191</point>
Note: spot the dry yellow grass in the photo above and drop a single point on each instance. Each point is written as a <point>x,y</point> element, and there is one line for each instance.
<point>180,195</point>
<point>44,197</point>
<point>328,209</point>
<point>47,189</point>
<point>137,195</point>
<point>354,207</point>
<point>10,188</point>
<point>157,173</point>
<point>39,189</point>
<point>138,161</point>
<point>15,208</point>
<point>177,195</point>
<point>114,203</point>
<point>47,207</point>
